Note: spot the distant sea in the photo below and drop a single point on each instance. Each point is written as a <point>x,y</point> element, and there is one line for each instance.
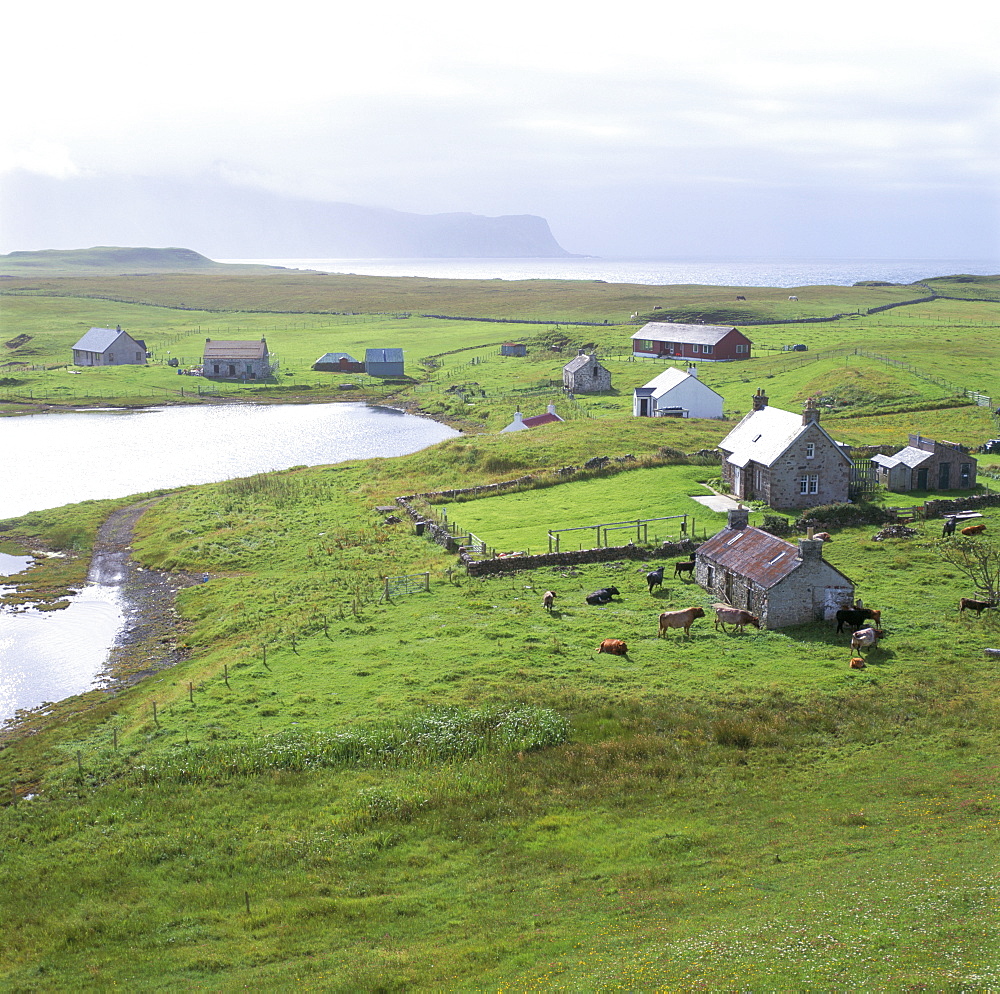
<point>654,272</point>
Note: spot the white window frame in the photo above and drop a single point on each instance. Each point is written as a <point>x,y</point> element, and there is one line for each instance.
<point>695,347</point>
<point>810,450</point>
<point>803,484</point>
<point>740,349</point>
<point>814,483</point>
<point>707,349</point>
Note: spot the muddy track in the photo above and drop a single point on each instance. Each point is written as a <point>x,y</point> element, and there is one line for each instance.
<point>152,637</point>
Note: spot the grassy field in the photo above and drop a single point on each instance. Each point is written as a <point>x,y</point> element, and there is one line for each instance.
<point>451,790</point>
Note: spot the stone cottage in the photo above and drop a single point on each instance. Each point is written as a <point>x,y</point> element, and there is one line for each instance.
<point>585,374</point>
<point>223,360</point>
<point>927,465</point>
<point>782,584</point>
<point>784,459</point>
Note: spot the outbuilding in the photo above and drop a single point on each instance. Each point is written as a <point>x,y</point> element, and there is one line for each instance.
<point>781,583</point>
<point>338,362</point>
<point>705,342</point>
<point>520,423</point>
<point>384,362</point>
<point>676,393</point>
<point>109,347</point>
<point>585,374</point>
<point>927,465</point>
<point>236,360</point>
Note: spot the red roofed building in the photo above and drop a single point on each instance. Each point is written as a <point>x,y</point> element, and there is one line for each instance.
<point>520,422</point>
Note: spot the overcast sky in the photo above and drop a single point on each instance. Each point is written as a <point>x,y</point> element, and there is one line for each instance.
<point>768,129</point>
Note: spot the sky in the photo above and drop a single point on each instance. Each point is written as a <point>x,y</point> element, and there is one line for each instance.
<point>723,130</point>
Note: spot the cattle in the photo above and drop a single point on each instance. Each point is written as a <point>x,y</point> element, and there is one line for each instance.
<point>614,646</point>
<point>866,638</point>
<point>685,566</point>
<point>602,596</point>
<point>823,537</point>
<point>854,617</point>
<point>968,604</point>
<point>857,663</point>
<point>973,529</point>
<point>793,297</point>
<point>949,527</point>
<point>655,578</point>
<point>726,615</point>
<point>548,599</point>
<point>679,619</point>
<point>740,297</point>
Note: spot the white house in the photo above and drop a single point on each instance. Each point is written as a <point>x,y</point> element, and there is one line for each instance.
<point>520,422</point>
<point>676,394</point>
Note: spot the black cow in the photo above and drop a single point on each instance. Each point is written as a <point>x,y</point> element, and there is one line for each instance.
<point>686,566</point>
<point>855,617</point>
<point>949,527</point>
<point>655,578</point>
<point>603,596</point>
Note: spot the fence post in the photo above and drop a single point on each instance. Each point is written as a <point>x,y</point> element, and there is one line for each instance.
<point>427,581</point>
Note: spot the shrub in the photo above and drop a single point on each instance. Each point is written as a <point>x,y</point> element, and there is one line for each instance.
<point>843,516</point>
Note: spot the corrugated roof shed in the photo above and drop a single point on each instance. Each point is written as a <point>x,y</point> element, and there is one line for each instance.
<point>383,355</point>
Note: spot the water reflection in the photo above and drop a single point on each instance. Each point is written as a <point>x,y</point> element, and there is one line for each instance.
<point>9,565</point>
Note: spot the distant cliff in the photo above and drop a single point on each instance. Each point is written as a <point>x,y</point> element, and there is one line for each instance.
<point>224,221</point>
<point>111,259</point>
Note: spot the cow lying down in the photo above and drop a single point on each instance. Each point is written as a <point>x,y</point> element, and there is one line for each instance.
<point>614,646</point>
<point>603,596</point>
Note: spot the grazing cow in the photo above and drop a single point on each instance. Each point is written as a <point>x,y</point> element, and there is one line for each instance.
<point>974,529</point>
<point>615,646</point>
<point>967,603</point>
<point>740,297</point>
<point>726,615</point>
<point>548,599</point>
<point>949,527</point>
<point>793,297</point>
<point>823,537</point>
<point>685,566</point>
<point>866,638</point>
<point>679,619</point>
<point>857,663</point>
<point>602,596</point>
<point>655,578</point>
<point>855,616</point>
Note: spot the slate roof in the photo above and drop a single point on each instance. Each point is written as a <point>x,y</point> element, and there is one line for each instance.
<point>98,339</point>
<point>383,355</point>
<point>701,334</point>
<point>235,350</point>
<point>758,555</point>
<point>579,362</point>
<point>761,436</point>
<point>670,378</point>
<point>910,456</point>
<point>540,419</point>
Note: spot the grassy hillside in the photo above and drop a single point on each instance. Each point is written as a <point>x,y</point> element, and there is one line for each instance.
<point>106,260</point>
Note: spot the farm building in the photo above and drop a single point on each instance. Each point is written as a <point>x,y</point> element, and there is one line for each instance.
<point>520,423</point>
<point>781,583</point>
<point>514,348</point>
<point>712,343</point>
<point>675,393</point>
<point>585,374</point>
<point>787,460</point>
<point>338,362</point>
<point>236,360</point>
<point>384,362</point>
<point>109,347</point>
<point>927,465</point>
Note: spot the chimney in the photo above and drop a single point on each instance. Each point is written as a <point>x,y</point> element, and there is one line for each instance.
<point>759,400</point>
<point>518,417</point>
<point>581,352</point>
<point>693,371</point>
<point>551,408</point>
<point>810,413</point>
<point>810,548</point>
<point>738,517</point>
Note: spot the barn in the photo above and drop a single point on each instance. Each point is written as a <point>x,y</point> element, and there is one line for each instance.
<point>225,360</point>
<point>338,362</point>
<point>384,362</point>
<point>676,393</point>
<point>781,583</point>
<point>706,342</point>
<point>109,347</point>
<point>514,349</point>
<point>585,374</point>
<point>927,465</point>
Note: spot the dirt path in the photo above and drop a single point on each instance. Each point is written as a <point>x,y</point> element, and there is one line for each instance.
<point>152,636</point>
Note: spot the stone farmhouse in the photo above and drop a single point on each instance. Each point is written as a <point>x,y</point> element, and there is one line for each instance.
<point>585,374</point>
<point>109,347</point>
<point>927,465</point>
<point>711,343</point>
<point>520,423</point>
<point>223,360</point>
<point>782,584</point>
<point>784,459</point>
<point>676,393</point>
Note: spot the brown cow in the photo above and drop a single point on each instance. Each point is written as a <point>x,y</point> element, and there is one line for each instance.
<point>726,615</point>
<point>679,619</point>
<point>614,646</point>
<point>857,663</point>
<point>967,603</point>
<point>823,536</point>
<point>974,529</point>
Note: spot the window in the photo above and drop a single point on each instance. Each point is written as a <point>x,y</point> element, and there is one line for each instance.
<point>707,349</point>
<point>710,577</point>
<point>644,345</point>
<point>741,349</point>
<point>111,357</point>
<point>696,348</point>
<point>803,484</point>
<point>813,483</point>
<point>811,450</point>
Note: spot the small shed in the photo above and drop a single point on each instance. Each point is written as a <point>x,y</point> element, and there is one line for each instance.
<point>678,394</point>
<point>520,423</point>
<point>585,374</point>
<point>927,465</point>
<point>236,360</point>
<point>338,362</point>
<point>781,583</point>
<point>514,348</point>
<point>109,347</point>
<point>384,362</point>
